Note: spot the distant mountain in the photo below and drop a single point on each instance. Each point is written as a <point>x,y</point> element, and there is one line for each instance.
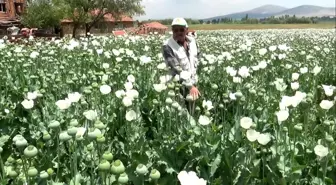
<point>274,10</point>
<point>308,11</point>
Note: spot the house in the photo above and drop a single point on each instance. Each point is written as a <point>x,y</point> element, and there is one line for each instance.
<point>151,27</point>
<point>10,10</point>
<point>107,25</point>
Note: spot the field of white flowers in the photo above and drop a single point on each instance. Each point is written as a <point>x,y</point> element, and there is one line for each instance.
<point>103,111</point>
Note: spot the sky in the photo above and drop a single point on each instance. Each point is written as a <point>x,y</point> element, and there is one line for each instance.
<point>160,9</point>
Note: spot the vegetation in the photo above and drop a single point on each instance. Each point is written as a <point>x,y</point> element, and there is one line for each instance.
<point>48,13</point>
<point>105,111</point>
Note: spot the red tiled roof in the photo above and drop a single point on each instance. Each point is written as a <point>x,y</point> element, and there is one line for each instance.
<point>156,25</point>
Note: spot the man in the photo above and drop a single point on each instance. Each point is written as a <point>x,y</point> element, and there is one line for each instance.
<point>181,56</point>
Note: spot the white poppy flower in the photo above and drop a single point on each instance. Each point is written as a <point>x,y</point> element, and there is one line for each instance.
<point>264,139</point>
<point>90,114</point>
<point>131,115</point>
<point>204,120</point>
<point>317,70</point>
<point>295,85</point>
<point>128,86</point>
<point>252,135</point>
<point>244,72</point>
<point>321,151</point>
<point>120,93</point>
<point>262,51</point>
<point>246,122</point>
<point>32,95</point>
<point>159,87</point>
<point>326,104</point>
<point>106,65</point>
<point>105,89</point>
<point>207,105</point>
<point>328,89</point>
<point>282,115</point>
<point>131,78</point>
<point>63,104</point>
<point>80,132</point>
<point>27,104</point>
<point>127,101</point>
<point>295,76</point>
<point>74,97</point>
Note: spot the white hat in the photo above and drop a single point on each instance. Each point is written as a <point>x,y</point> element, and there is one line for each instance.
<point>180,22</point>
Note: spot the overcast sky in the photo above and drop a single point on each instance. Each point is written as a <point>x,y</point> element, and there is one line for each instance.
<point>158,9</point>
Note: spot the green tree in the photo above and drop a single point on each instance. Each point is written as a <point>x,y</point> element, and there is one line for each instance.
<point>41,14</point>
<point>81,11</point>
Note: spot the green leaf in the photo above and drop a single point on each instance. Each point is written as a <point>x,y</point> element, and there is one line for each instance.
<point>214,165</point>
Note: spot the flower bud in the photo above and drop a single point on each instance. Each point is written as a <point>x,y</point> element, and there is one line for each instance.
<point>108,156</point>
<point>117,167</point>
<point>104,165</point>
<point>12,174</point>
<point>123,178</point>
<point>141,169</point>
<point>44,175</point>
<point>298,127</point>
<point>155,174</point>
<point>214,86</point>
<point>54,124</point>
<point>32,172</point>
<point>50,171</point>
<point>30,151</point>
<point>155,102</point>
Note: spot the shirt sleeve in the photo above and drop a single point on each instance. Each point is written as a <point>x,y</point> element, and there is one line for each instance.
<point>170,60</point>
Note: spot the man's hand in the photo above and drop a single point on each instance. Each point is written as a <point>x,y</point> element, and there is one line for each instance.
<point>194,92</point>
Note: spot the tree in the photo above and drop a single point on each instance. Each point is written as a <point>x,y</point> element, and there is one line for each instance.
<point>41,14</point>
<point>90,12</point>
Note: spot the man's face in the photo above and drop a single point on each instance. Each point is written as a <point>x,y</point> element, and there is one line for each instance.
<point>179,33</point>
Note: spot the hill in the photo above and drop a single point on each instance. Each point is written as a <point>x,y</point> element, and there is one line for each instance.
<point>274,10</point>
<point>308,11</point>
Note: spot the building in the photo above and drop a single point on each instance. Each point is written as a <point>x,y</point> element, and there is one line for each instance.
<point>107,25</point>
<point>10,10</point>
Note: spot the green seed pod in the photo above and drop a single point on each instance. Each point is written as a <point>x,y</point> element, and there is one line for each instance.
<point>99,125</point>
<point>54,124</point>
<point>32,172</point>
<point>285,129</point>
<point>298,127</point>
<point>19,161</point>
<point>141,169</point>
<point>95,84</point>
<point>171,93</point>
<point>155,102</point>
<point>155,174</point>
<point>50,171</point>
<point>108,156</point>
<point>123,178</point>
<point>30,151</point>
<point>169,101</point>
<point>214,86</point>
<point>10,159</point>
<point>1,149</point>
<point>72,131</point>
<point>94,133</point>
<point>12,174</point>
<point>221,106</point>
<point>22,142</point>
<point>207,113</point>
<point>175,105</point>
<point>189,98</point>
<point>329,138</point>
<point>89,147</point>
<point>101,139</point>
<point>46,136</point>
<point>117,167</point>
<point>104,165</point>
<point>326,122</point>
<point>64,136</point>
<point>74,123</point>
<point>44,175</point>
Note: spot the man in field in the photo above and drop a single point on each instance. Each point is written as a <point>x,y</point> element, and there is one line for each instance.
<point>181,56</point>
